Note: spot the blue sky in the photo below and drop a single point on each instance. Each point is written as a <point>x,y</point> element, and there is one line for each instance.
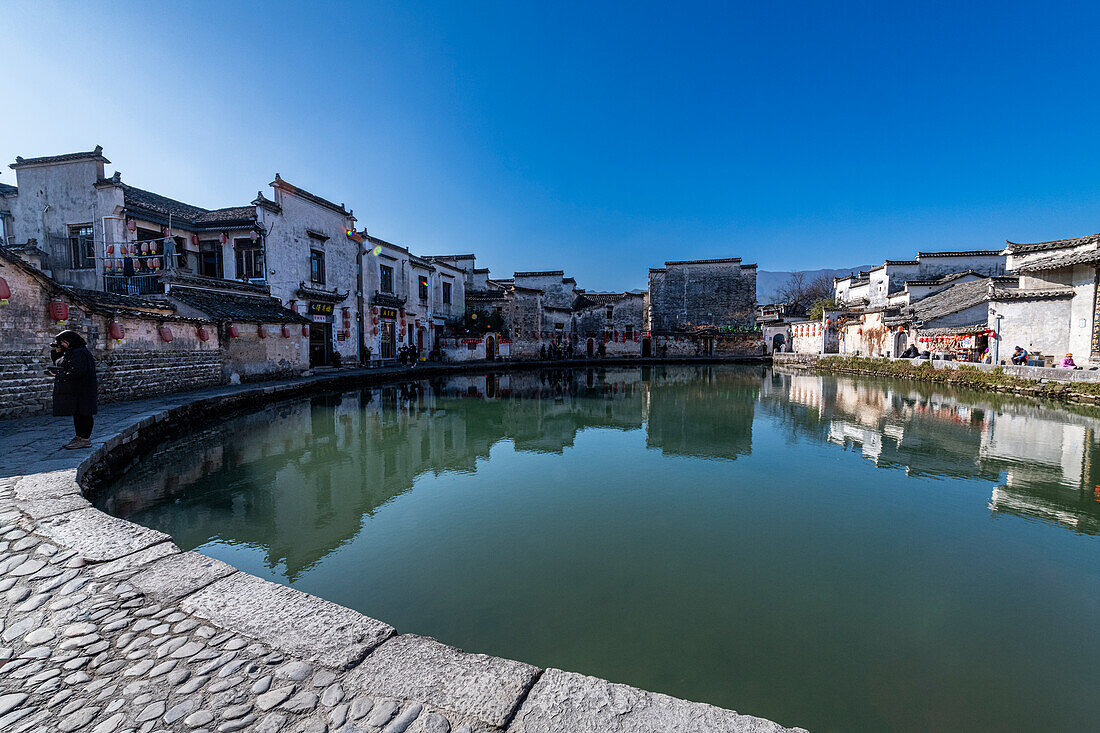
<point>599,138</point>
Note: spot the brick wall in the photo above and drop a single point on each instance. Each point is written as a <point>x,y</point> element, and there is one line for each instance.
<point>141,365</point>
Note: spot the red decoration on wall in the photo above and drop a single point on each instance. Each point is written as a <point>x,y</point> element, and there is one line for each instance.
<point>305,330</point>
<point>5,289</point>
<point>165,334</point>
<point>116,331</point>
<point>202,334</point>
<point>59,310</point>
<point>233,332</point>
<point>195,239</point>
<point>286,331</point>
<point>261,331</point>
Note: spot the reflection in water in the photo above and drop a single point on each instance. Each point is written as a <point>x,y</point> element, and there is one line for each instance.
<point>1040,456</point>
<point>815,550</point>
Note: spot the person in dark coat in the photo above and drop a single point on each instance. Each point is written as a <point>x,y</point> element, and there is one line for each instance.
<point>74,386</point>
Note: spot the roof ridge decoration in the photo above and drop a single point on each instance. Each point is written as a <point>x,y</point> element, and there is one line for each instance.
<point>540,273</point>
<point>1021,247</point>
<point>720,260</point>
<point>963,253</point>
<point>95,154</point>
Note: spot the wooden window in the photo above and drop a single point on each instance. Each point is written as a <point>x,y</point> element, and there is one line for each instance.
<point>317,266</point>
<point>210,258</point>
<point>81,247</point>
<point>250,259</point>
<point>610,312</point>
<point>422,283</point>
<point>446,293</point>
<point>386,277</point>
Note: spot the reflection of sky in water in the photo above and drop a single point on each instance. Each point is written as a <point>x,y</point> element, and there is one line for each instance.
<point>815,550</point>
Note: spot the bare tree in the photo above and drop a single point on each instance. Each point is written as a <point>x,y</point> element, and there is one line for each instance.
<point>800,290</point>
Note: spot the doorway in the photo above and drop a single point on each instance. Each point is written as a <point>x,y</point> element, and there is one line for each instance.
<point>490,348</point>
<point>647,348</point>
<point>387,345</point>
<point>777,343</point>
<point>320,344</point>
<point>590,347</point>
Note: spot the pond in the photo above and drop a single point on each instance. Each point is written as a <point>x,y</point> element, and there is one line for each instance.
<point>833,553</point>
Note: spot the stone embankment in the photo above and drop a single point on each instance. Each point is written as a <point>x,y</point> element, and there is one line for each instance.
<point>1059,384</point>
<point>108,626</point>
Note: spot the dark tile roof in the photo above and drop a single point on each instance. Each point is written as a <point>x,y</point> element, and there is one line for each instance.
<point>228,306</point>
<point>7,188</point>
<point>954,330</point>
<point>901,262</point>
<point>291,188</point>
<point>213,283</point>
<point>1017,248</point>
<point>704,262</point>
<point>230,214</point>
<point>1051,293</point>
<point>118,300</point>
<point>963,253</point>
<point>1058,261</point>
<point>956,298</point>
<point>945,279</point>
<point>96,154</point>
<point>541,273</point>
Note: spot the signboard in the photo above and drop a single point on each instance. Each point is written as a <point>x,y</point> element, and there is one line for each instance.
<point>386,312</point>
<point>320,309</point>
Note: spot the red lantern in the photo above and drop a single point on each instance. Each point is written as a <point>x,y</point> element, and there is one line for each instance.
<point>294,306</point>
<point>165,334</point>
<point>110,249</point>
<point>59,310</point>
<point>233,332</point>
<point>223,238</point>
<point>261,331</point>
<point>195,239</point>
<point>164,231</point>
<point>374,310</point>
<point>5,289</point>
<point>202,334</point>
<point>305,330</point>
<point>286,331</point>
<point>131,225</point>
<point>116,331</point>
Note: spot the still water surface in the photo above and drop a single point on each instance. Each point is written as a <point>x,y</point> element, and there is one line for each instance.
<point>840,554</point>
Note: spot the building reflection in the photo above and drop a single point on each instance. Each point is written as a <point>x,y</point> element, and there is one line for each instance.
<point>297,479</point>
<point>1039,457</point>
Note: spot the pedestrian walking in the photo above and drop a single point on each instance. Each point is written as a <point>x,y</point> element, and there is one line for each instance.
<point>74,386</point>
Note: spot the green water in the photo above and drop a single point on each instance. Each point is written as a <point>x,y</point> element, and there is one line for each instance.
<point>839,554</point>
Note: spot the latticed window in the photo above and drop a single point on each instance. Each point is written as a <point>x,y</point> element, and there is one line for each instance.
<point>422,282</point>
<point>386,278</point>
<point>81,247</point>
<point>317,266</point>
<point>250,259</point>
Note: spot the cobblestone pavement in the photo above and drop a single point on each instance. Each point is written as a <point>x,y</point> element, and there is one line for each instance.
<point>106,626</point>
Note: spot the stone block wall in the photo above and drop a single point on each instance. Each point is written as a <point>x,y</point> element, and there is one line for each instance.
<point>701,293</point>
<point>253,358</point>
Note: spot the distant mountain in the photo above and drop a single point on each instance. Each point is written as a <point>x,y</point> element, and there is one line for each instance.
<point>767,283</point>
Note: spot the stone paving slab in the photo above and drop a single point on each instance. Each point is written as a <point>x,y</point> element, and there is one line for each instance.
<point>47,485</point>
<point>42,508</point>
<point>135,560</point>
<point>288,619</point>
<point>97,536</point>
<point>177,575</point>
<point>419,668</point>
<point>567,701</point>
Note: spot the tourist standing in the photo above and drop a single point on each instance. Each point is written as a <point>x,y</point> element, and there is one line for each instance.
<point>74,386</point>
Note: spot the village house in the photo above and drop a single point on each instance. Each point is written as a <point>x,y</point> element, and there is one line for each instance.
<point>284,263</point>
<point>1057,311</point>
<point>702,308</point>
<point>614,319</point>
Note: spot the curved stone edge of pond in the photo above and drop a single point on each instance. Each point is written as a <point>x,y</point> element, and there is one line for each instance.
<point>110,623</point>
